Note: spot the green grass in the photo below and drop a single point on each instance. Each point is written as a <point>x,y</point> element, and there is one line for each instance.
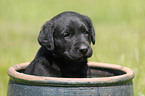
<point>119,25</point>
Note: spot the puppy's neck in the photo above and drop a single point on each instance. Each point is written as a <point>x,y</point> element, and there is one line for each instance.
<point>73,68</point>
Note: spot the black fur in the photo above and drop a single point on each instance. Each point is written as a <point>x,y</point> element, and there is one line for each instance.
<point>65,46</point>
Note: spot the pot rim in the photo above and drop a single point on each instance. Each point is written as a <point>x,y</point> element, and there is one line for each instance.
<point>58,81</point>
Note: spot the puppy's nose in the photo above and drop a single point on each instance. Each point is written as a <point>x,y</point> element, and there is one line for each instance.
<point>83,49</point>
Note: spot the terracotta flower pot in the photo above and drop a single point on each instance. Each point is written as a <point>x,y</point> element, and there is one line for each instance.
<point>107,80</point>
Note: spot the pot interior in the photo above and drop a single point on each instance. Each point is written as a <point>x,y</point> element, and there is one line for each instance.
<point>98,72</point>
<point>105,72</point>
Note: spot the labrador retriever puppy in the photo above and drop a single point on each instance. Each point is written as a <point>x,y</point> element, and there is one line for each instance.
<point>65,46</point>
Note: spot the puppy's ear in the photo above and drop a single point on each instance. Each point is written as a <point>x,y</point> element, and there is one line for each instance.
<point>91,30</point>
<point>45,37</point>
<point>92,34</point>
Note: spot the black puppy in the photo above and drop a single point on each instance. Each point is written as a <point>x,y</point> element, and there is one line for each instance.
<point>65,41</point>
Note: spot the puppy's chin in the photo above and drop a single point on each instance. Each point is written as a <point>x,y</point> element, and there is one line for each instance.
<point>75,57</point>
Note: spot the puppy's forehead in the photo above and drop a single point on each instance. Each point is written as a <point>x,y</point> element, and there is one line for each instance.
<point>70,22</point>
<point>75,23</point>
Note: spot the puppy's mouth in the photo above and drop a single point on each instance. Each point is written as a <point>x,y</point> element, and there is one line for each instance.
<point>78,57</point>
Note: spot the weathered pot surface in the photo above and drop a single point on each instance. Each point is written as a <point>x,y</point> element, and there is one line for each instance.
<point>108,80</point>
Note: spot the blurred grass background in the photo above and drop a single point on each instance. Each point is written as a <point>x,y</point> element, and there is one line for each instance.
<point>119,26</point>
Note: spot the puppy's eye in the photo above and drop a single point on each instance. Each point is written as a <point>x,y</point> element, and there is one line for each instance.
<point>86,32</point>
<point>66,34</point>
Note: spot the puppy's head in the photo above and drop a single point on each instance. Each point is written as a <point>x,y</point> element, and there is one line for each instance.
<point>68,35</point>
